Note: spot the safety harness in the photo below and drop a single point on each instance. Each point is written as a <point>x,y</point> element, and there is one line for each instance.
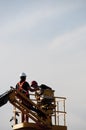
<point>20,88</point>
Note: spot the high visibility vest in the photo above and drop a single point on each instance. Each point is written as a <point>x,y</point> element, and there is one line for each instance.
<point>20,86</point>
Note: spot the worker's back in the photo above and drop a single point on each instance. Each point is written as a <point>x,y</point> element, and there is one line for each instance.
<point>48,93</point>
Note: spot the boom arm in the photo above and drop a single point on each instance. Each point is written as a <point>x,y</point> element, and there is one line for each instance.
<point>4,98</point>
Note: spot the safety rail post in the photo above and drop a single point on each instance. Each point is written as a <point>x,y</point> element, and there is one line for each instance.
<point>64,114</point>
<point>57,113</point>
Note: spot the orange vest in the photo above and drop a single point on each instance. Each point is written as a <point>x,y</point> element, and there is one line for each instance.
<point>20,86</point>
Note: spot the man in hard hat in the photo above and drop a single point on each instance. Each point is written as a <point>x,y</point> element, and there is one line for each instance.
<point>45,97</point>
<point>34,84</point>
<point>24,87</point>
<point>44,94</point>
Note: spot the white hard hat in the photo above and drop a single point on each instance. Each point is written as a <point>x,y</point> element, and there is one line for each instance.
<point>22,74</point>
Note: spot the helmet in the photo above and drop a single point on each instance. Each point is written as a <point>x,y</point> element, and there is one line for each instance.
<point>34,84</point>
<point>22,74</point>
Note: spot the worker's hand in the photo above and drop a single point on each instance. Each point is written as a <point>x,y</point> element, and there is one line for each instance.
<point>37,88</point>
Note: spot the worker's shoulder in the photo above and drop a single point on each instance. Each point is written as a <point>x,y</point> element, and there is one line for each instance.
<point>43,86</point>
<point>26,83</point>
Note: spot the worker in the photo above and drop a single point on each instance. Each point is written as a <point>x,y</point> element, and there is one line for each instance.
<point>45,98</point>
<point>44,94</point>
<point>34,84</point>
<point>24,87</point>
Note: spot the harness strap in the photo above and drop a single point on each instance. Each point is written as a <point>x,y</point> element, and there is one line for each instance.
<point>20,85</point>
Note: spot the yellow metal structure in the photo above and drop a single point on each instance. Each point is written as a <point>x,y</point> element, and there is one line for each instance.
<point>52,118</point>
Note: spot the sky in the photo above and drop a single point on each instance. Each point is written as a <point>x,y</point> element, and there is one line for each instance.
<point>46,39</point>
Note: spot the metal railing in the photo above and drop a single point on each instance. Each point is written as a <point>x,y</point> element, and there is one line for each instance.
<point>58,115</point>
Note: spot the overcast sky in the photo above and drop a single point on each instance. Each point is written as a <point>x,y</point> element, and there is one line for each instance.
<point>46,39</point>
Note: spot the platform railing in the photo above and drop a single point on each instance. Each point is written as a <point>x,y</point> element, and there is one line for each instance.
<point>60,111</point>
<point>58,116</point>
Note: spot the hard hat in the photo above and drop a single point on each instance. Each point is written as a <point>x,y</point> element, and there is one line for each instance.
<point>34,83</point>
<point>22,74</point>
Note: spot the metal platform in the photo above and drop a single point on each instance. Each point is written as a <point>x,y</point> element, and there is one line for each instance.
<point>51,118</point>
<point>33,126</point>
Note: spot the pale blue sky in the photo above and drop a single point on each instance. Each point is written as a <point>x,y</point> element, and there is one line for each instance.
<point>47,40</point>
